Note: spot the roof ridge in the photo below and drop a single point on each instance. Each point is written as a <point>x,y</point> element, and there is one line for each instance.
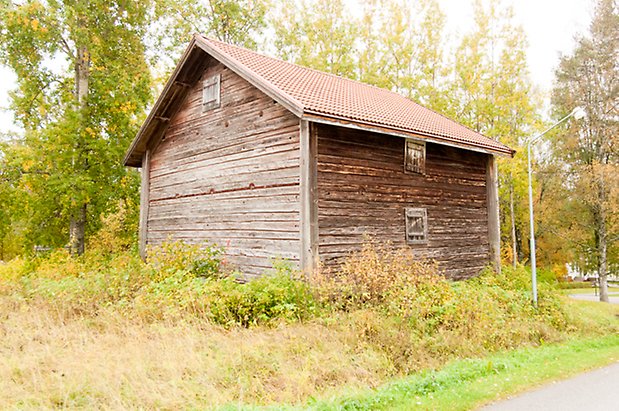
<point>311,69</point>
<point>228,55</point>
<point>349,85</point>
<point>346,79</point>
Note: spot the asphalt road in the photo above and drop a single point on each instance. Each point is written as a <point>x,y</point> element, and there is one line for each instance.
<point>592,391</point>
<point>613,298</point>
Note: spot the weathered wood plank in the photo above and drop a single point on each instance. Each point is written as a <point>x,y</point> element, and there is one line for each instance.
<point>494,224</point>
<point>144,203</point>
<point>229,175</point>
<point>363,191</point>
<point>308,198</point>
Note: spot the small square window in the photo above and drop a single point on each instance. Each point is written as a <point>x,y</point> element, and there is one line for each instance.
<point>211,91</point>
<point>416,225</point>
<point>415,156</point>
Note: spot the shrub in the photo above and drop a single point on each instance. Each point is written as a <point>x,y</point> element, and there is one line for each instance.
<point>407,307</point>
<point>375,275</point>
<point>118,230</point>
<point>201,260</point>
<point>265,300</point>
<point>278,296</point>
<point>184,280</point>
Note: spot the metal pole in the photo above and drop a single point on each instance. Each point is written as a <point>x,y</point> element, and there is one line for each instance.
<point>532,228</point>
<point>577,112</point>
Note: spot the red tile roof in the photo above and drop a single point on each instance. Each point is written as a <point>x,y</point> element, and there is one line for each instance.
<point>309,94</point>
<point>330,96</point>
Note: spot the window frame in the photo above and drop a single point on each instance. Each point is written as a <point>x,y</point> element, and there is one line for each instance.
<point>416,213</point>
<point>421,169</point>
<point>211,83</point>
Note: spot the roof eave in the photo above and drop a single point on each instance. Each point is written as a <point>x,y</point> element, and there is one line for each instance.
<point>136,161</point>
<point>356,124</point>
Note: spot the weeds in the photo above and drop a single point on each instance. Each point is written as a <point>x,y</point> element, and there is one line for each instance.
<point>381,315</point>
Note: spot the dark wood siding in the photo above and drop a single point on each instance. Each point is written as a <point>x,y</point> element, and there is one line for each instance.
<point>363,190</point>
<point>229,175</point>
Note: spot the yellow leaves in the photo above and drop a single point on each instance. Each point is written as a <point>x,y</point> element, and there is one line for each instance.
<point>126,107</point>
<point>34,7</point>
<point>27,165</point>
<point>24,18</point>
<point>91,132</point>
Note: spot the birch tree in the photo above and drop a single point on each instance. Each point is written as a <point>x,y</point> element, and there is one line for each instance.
<point>588,151</point>
<point>320,34</point>
<point>83,83</point>
<point>491,93</point>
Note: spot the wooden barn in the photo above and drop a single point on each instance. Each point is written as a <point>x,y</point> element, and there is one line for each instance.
<point>271,159</point>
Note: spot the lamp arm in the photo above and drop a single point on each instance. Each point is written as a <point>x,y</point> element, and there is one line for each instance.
<point>540,135</point>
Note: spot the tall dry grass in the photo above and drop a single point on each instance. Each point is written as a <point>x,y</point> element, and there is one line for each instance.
<point>112,362</point>
<point>110,332</point>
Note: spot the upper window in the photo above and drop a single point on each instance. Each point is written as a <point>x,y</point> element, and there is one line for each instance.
<point>416,225</point>
<point>211,92</point>
<point>415,156</point>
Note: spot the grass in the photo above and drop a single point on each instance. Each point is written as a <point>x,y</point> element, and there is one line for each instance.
<point>589,291</point>
<point>467,384</point>
<point>114,362</point>
<point>582,290</point>
<point>108,331</point>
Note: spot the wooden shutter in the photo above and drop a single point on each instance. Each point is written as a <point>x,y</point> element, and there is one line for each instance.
<point>415,156</point>
<point>211,92</point>
<point>416,225</point>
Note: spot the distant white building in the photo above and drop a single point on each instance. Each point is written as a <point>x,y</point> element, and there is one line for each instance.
<point>575,274</point>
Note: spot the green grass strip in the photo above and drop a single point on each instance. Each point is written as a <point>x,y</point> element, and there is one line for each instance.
<point>466,384</point>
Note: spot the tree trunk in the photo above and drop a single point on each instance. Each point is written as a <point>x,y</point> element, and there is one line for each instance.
<point>77,225</point>
<point>513,224</point>
<point>77,229</point>
<point>603,258</point>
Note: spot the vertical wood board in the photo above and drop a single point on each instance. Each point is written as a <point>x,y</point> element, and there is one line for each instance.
<point>308,198</point>
<point>144,203</point>
<point>494,224</point>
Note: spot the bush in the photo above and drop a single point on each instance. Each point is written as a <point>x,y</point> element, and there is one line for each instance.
<point>375,275</point>
<point>265,300</point>
<point>269,299</point>
<point>180,280</point>
<point>408,307</point>
<point>201,260</point>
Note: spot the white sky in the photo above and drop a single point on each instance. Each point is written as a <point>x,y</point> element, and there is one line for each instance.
<point>550,26</point>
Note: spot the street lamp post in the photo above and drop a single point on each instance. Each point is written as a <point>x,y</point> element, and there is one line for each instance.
<point>577,113</point>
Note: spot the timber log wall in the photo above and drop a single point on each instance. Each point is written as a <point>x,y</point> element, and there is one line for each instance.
<point>229,175</point>
<point>363,190</point>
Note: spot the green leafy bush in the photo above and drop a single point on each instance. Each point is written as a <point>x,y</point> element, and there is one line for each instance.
<point>264,300</point>
<point>201,260</point>
<point>388,285</point>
